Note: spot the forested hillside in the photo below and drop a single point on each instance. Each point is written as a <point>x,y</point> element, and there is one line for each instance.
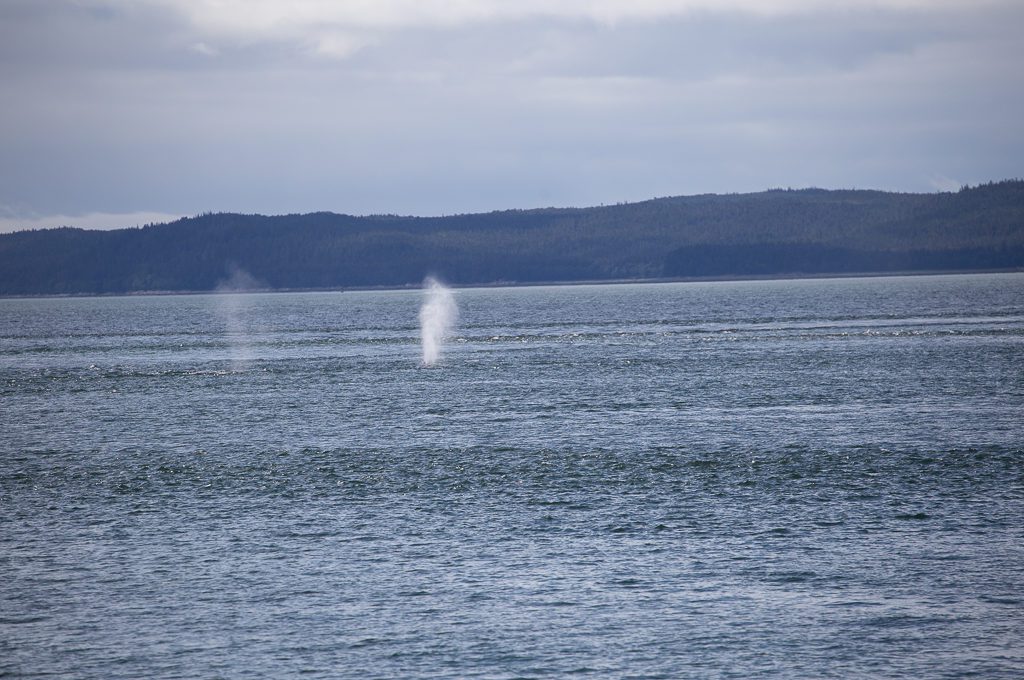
<point>809,231</point>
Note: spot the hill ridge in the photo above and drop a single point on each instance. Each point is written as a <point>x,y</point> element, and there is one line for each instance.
<point>774,232</point>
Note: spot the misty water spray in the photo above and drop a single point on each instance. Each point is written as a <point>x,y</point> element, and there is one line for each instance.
<point>234,307</point>
<point>437,318</point>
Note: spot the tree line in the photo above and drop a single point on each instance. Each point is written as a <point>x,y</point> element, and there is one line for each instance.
<point>777,232</point>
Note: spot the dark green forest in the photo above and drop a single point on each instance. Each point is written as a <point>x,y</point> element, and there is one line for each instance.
<point>771,233</point>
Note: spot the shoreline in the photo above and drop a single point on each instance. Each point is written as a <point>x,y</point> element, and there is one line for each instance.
<point>532,284</point>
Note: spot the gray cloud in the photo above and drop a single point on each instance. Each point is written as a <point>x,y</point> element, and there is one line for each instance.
<point>143,107</point>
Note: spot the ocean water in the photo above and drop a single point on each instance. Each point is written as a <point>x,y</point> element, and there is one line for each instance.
<point>819,478</point>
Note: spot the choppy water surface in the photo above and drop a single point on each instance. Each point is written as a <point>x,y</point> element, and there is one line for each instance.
<point>778,479</point>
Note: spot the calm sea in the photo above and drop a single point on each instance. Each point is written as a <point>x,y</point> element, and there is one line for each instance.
<point>761,479</point>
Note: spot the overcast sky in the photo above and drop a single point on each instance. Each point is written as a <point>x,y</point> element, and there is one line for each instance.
<point>123,112</point>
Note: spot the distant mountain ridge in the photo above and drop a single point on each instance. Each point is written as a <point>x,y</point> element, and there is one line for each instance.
<point>776,232</point>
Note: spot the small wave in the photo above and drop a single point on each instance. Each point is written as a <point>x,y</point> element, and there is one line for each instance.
<point>21,620</point>
<point>790,576</point>
<point>914,516</point>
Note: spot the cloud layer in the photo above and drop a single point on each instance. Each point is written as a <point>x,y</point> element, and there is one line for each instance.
<point>434,107</point>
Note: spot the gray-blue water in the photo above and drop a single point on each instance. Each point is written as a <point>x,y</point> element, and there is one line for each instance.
<point>758,479</point>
